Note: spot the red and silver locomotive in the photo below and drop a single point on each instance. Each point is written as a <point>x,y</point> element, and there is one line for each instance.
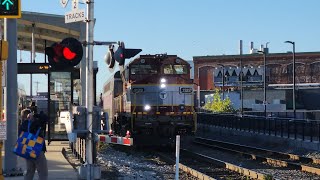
<point>151,99</point>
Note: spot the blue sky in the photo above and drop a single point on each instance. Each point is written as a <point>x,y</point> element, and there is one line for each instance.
<point>190,28</point>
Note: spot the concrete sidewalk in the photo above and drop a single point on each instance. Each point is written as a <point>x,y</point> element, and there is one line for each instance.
<point>59,167</point>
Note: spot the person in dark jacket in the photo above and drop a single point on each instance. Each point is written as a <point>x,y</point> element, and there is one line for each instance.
<point>40,163</point>
<point>42,120</point>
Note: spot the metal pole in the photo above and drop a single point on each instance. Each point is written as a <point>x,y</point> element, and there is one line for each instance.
<point>198,97</point>
<point>83,68</point>
<point>10,159</point>
<point>89,86</point>
<point>177,156</point>
<point>264,83</point>
<point>45,55</point>
<point>222,82</point>
<point>32,60</point>
<point>293,77</point>
<point>294,82</point>
<point>1,95</point>
<point>1,142</point>
<point>241,83</point>
<point>33,45</point>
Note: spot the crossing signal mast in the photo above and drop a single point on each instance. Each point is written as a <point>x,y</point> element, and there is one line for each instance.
<point>66,54</point>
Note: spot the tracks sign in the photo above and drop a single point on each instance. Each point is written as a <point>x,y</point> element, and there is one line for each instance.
<point>75,16</point>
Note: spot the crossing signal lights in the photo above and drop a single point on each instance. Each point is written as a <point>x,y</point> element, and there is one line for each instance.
<point>66,54</point>
<point>109,58</point>
<point>10,9</point>
<point>120,55</point>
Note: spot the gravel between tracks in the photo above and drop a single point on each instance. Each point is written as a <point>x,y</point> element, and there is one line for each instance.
<point>136,165</point>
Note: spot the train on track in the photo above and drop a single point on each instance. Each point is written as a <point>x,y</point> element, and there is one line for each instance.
<point>151,99</point>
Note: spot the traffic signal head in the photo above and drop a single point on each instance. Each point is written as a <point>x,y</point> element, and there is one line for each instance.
<point>66,54</point>
<point>10,9</point>
<point>122,53</point>
<point>119,55</point>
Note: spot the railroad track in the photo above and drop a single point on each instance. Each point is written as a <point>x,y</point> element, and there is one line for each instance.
<point>274,158</point>
<point>205,167</point>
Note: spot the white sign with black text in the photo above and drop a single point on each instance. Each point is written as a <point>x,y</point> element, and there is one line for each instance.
<point>75,5</point>
<point>3,130</point>
<point>64,3</point>
<point>4,73</point>
<point>75,16</point>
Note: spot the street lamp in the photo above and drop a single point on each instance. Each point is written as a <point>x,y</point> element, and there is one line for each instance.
<point>294,78</point>
<point>264,52</point>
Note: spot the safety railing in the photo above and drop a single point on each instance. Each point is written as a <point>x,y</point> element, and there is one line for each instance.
<point>306,130</point>
<point>79,149</point>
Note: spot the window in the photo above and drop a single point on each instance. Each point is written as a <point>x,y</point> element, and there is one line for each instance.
<point>167,69</point>
<point>175,69</point>
<point>137,69</point>
<point>180,69</point>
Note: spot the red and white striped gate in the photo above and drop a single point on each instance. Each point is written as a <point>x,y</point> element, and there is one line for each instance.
<point>116,140</point>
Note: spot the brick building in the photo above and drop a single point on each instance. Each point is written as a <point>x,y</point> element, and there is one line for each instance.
<point>210,70</point>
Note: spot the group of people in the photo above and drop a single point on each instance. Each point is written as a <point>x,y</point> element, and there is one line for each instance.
<point>31,121</point>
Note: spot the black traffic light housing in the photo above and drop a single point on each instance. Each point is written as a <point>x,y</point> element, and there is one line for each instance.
<point>120,55</point>
<point>10,9</point>
<point>68,53</point>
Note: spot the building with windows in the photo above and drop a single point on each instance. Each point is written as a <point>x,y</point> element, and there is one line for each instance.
<point>223,72</point>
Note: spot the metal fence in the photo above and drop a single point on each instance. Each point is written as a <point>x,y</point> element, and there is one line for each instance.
<point>306,130</point>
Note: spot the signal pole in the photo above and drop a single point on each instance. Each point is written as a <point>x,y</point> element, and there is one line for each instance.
<point>10,159</point>
<point>89,87</point>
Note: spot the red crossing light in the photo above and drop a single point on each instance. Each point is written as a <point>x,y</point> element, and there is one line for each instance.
<point>66,54</point>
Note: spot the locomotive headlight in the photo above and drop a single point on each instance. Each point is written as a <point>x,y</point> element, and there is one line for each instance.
<point>163,85</point>
<point>147,107</point>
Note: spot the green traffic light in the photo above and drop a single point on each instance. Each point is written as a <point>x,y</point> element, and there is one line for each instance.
<point>7,3</point>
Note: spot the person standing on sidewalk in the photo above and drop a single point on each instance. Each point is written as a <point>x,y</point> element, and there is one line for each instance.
<point>40,163</point>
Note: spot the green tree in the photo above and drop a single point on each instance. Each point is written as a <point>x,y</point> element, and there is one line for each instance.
<point>218,105</point>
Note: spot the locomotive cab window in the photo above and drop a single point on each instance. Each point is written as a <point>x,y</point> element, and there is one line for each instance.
<point>175,69</point>
<point>143,69</point>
